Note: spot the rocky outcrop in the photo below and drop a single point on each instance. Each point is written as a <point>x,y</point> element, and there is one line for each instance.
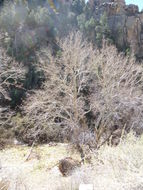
<point>125,23</point>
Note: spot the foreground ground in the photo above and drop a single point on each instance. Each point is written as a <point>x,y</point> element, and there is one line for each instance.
<point>112,168</point>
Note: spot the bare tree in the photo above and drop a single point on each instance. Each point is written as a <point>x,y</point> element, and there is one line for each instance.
<point>80,81</point>
<point>119,99</point>
<point>11,72</point>
<point>61,102</point>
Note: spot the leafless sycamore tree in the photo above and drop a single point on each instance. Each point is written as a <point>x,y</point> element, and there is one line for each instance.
<point>82,80</point>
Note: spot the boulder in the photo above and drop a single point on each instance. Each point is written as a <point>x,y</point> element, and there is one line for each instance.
<point>68,165</point>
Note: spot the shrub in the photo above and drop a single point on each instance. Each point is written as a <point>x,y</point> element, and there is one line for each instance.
<point>102,30</point>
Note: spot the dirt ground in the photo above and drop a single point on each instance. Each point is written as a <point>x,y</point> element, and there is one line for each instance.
<point>112,168</point>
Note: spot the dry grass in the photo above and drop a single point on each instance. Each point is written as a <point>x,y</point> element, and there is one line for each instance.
<point>112,168</point>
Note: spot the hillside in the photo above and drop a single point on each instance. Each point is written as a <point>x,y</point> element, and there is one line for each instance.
<point>71,95</point>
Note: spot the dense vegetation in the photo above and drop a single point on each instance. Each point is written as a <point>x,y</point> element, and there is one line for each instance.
<point>58,84</point>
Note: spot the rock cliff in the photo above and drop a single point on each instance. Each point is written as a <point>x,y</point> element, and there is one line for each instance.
<point>125,23</point>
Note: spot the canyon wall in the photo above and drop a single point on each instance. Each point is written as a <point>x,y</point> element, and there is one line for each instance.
<point>125,23</point>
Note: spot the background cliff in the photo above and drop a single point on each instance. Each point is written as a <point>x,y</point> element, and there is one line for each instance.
<point>125,23</point>
<point>112,19</point>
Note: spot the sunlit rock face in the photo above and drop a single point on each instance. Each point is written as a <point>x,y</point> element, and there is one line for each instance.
<point>125,23</point>
<point>100,2</point>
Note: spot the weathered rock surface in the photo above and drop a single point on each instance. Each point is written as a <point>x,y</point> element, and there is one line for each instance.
<point>125,23</point>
